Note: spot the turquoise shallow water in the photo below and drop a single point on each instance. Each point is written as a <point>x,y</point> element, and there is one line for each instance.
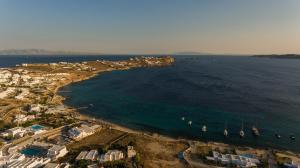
<point>37,127</point>
<point>206,90</point>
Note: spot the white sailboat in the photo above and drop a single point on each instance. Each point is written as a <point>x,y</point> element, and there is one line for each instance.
<point>204,128</point>
<point>255,131</point>
<point>225,130</point>
<point>242,133</point>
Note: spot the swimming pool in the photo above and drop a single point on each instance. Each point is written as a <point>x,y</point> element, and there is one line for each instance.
<point>37,127</point>
<point>34,151</point>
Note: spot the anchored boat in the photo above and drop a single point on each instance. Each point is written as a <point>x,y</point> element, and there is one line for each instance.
<point>204,128</point>
<point>255,131</point>
<point>292,137</point>
<point>225,132</point>
<point>242,133</point>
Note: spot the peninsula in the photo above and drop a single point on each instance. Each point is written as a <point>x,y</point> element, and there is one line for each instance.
<point>38,130</point>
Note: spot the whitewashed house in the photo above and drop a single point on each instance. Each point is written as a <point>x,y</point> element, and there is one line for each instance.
<point>57,151</point>
<point>83,131</point>
<point>112,155</point>
<point>20,118</point>
<point>130,152</point>
<point>238,160</point>
<point>14,132</point>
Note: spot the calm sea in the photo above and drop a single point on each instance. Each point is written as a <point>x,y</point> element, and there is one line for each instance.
<point>216,91</point>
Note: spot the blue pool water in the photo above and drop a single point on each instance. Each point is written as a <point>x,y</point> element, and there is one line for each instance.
<point>37,127</point>
<point>34,151</point>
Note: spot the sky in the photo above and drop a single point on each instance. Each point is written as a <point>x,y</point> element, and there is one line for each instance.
<point>152,26</point>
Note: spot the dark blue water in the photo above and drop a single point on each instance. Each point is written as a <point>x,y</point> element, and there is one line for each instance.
<point>210,90</point>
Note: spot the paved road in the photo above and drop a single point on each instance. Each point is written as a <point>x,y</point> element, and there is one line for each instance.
<point>119,138</point>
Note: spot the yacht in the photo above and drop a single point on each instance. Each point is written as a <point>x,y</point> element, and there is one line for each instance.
<point>225,132</point>
<point>292,137</point>
<point>204,128</point>
<point>278,136</point>
<point>255,131</point>
<point>242,134</point>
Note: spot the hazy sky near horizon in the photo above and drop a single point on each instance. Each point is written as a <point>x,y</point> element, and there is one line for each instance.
<point>152,26</point>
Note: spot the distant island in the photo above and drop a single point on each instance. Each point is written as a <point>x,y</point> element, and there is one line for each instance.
<point>42,52</point>
<point>283,56</point>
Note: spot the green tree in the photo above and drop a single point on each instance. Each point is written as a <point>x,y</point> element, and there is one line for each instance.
<point>82,164</point>
<point>137,158</point>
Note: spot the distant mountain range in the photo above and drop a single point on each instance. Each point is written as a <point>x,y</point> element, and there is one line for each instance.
<point>282,56</point>
<point>192,53</point>
<point>42,52</point>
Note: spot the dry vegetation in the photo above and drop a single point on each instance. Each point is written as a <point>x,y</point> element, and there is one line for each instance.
<point>154,153</point>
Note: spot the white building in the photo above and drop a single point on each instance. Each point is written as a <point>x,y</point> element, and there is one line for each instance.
<point>20,118</point>
<point>92,155</point>
<point>81,155</point>
<point>6,160</point>
<point>24,92</point>
<point>293,164</point>
<point>29,163</point>
<point>78,133</point>
<point>238,160</point>
<point>9,91</point>
<point>130,152</point>
<point>112,155</point>
<point>37,108</point>
<point>5,76</point>
<point>14,132</point>
<point>88,155</point>
<point>17,160</point>
<point>57,151</point>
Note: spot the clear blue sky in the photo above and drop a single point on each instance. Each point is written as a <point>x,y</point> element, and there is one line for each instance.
<point>152,26</point>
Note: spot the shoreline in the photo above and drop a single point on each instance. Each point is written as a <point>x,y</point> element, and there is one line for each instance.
<point>53,77</point>
<point>118,127</point>
<point>113,125</point>
<point>155,135</point>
